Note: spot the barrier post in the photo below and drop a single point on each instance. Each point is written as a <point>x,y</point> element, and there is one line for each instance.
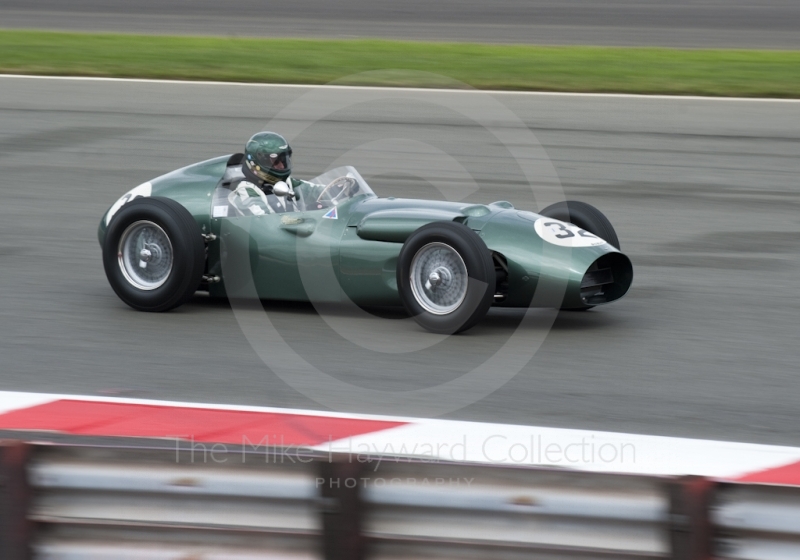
<point>15,529</point>
<point>341,508</point>
<point>690,521</point>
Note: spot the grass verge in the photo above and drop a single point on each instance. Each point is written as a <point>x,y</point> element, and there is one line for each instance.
<point>746,73</point>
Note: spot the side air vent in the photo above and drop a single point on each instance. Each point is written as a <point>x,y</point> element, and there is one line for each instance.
<point>501,273</point>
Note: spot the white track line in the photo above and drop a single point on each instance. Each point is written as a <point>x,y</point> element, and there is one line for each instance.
<point>407,89</point>
<point>14,401</point>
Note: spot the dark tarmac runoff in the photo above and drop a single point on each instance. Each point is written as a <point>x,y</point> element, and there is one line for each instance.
<point>769,24</point>
<point>703,193</point>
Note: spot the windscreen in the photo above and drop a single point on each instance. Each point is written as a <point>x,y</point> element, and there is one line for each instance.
<point>340,185</point>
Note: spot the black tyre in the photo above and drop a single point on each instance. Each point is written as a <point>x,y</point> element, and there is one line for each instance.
<point>446,277</point>
<point>585,216</point>
<point>153,254</point>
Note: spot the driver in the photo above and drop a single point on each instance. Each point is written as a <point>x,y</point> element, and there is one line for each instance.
<point>267,160</point>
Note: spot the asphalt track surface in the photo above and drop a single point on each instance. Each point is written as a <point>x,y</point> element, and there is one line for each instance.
<point>703,193</point>
<point>674,23</point>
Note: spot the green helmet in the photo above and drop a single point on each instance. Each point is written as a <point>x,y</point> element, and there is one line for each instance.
<point>268,156</point>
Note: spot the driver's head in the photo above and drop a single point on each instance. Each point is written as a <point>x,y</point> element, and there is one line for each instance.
<point>268,157</point>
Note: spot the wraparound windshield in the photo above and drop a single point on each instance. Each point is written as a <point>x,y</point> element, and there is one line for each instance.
<point>338,186</point>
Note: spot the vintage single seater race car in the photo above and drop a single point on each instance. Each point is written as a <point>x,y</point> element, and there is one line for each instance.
<point>447,263</point>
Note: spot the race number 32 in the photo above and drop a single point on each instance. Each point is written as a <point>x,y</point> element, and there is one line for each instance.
<point>565,234</point>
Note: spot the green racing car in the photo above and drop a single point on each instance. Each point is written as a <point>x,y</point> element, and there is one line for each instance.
<point>334,240</point>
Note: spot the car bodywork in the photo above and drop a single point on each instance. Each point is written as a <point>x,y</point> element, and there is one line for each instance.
<point>352,254</point>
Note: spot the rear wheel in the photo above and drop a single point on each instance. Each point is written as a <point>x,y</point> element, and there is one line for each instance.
<point>153,254</point>
<point>446,277</point>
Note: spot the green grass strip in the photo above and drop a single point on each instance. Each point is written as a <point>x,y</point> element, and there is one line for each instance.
<point>746,73</point>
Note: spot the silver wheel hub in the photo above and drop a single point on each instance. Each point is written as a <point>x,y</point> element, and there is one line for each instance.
<point>439,278</point>
<point>145,255</point>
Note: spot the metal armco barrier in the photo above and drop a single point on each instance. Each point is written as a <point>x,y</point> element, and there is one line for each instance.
<point>15,530</point>
<point>757,522</point>
<point>486,512</point>
<point>68,502</point>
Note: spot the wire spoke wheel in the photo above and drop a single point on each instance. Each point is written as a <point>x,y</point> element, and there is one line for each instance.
<point>145,255</point>
<point>439,278</point>
<point>445,277</point>
<point>154,254</point>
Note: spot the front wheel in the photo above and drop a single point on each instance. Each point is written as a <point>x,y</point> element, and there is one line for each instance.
<point>585,216</point>
<point>153,254</point>
<point>446,277</point>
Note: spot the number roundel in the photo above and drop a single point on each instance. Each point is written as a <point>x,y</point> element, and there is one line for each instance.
<point>564,234</point>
